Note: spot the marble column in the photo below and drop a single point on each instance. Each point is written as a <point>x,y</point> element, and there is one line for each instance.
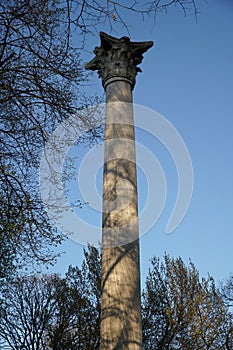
<point>116,61</point>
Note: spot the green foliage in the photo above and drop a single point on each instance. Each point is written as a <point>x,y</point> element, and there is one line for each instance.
<point>180,311</point>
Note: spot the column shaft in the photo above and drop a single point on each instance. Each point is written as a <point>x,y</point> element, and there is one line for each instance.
<point>120,311</point>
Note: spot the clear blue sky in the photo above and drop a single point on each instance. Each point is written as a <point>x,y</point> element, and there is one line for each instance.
<point>188,78</point>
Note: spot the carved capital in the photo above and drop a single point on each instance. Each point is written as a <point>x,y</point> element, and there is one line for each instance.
<point>118,58</point>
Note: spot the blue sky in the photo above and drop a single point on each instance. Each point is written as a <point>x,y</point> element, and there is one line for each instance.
<point>188,78</point>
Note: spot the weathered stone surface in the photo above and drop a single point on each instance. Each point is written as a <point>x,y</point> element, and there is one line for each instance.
<point>120,309</point>
<point>116,61</point>
<point>118,58</point>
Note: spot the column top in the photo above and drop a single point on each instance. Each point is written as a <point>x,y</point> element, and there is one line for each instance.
<point>117,59</point>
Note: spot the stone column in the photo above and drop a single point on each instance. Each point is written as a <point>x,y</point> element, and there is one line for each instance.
<point>116,61</point>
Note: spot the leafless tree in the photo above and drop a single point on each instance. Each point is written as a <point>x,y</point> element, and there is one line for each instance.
<point>226,290</point>
<point>52,313</point>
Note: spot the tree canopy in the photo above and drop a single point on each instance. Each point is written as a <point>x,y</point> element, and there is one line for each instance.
<point>182,311</point>
<point>179,310</point>
<point>40,76</point>
<point>51,312</point>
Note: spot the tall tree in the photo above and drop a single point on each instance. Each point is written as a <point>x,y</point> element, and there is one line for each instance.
<point>77,325</point>
<point>27,306</point>
<point>40,75</point>
<point>180,311</point>
<point>53,313</point>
